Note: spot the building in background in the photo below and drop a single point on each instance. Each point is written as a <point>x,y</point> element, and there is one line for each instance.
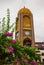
<point>24,27</point>
<point>40,50</point>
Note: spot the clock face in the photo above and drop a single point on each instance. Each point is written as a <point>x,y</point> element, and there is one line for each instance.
<point>27,33</point>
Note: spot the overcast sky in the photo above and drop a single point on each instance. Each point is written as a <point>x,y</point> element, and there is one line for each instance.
<point>37,9</point>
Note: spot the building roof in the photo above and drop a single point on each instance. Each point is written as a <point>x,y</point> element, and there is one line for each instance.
<point>39,43</point>
<point>24,10</point>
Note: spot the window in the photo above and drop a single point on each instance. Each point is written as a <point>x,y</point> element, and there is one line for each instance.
<point>43,60</point>
<point>42,54</point>
<point>41,48</point>
<point>26,21</point>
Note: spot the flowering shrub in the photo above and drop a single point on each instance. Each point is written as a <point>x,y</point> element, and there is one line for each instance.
<point>11,50</point>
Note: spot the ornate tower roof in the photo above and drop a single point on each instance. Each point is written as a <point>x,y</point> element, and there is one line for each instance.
<point>24,10</point>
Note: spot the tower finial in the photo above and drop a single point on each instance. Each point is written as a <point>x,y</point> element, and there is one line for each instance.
<point>24,6</point>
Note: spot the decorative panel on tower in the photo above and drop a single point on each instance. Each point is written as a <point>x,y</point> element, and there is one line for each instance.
<point>24,27</point>
<point>26,21</point>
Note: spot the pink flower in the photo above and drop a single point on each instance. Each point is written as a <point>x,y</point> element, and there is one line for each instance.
<point>24,60</point>
<point>33,63</point>
<point>11,49</point>
<point>9,34</point>
<point>13,41</point>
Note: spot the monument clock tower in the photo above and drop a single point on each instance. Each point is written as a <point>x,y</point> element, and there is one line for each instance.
<point>24,27</point>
